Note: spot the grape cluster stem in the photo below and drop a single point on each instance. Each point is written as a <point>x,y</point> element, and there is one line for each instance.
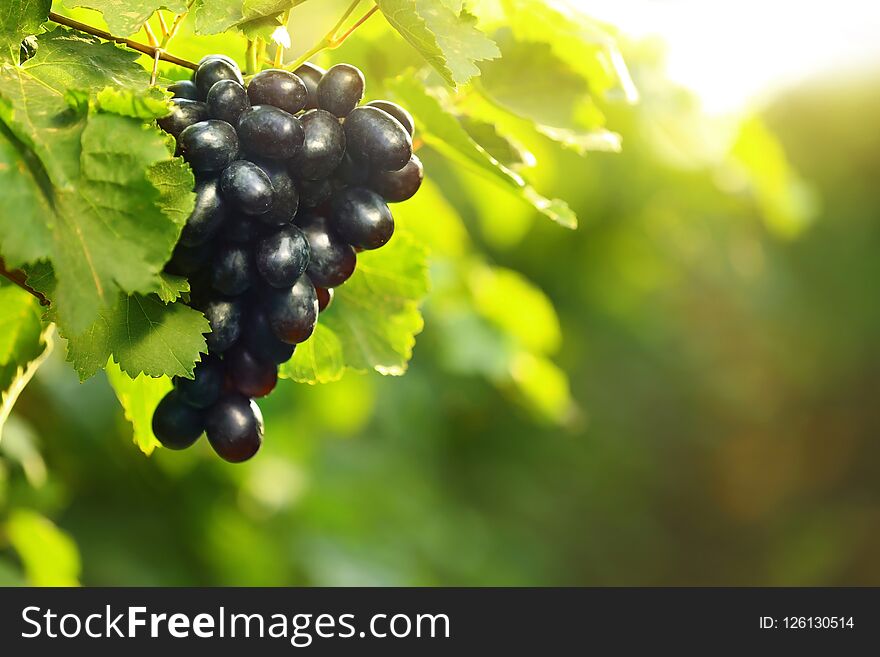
<point>18,277</point>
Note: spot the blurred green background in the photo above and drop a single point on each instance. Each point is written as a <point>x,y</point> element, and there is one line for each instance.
<point>683,391</point>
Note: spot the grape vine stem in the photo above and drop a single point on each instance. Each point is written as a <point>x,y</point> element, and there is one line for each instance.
<point>154,52</point>
<point>333,39</point>
<point>18,277</point>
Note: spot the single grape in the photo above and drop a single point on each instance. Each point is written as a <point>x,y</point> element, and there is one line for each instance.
<point>207,216</point>
<point>242,228</point>
<point>206,385</point>
<point>313,193</point>
<point>397,186</point>
<point>235,428</point>
<point>227,99</point>
<point>351,172</point>
<point>361,217</point>
<point>184,113</point>
<point>261,341</point>
<point>283,256</point>
<point>233,270</point>
<point>341,89</point>
<point>325,297</point>
<point>176,424</point>
<point>225,317</point>
<point>225,58</point>
<point>323,147</point>
<point>251,376</point>
<point>209,145</point>
<point>403,117</point>
<point>248,187</point>
<point>213,69</point>
<point>332,261</point>
<point>292,312</point>
<point>376,137</point>
<point>286,202</point>
<point>278,88</point>
<point>311,75</point>
<point>269,132</point>
<point>187,260</point>
<point>184,89</point>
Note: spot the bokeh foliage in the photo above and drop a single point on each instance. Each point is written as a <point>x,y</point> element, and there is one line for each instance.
<point>680,391</point>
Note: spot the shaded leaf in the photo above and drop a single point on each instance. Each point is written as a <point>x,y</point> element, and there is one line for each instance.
<point>142,334</point>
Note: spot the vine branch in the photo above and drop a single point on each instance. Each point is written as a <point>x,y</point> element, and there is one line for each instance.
<point>18,277</point>
<point>154,52</point>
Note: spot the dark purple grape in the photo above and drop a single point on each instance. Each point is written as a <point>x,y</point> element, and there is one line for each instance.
<point>225,58</point>
<point>283,256</point>
<point>235,428</point>
<point>177,425</point>
<point>187,260</point>
<point>403,117</point>
<point>269,132</point>
<point>261,341</point>
<point>325,297</point>
<point>206,385</point>
<point>209,145</point>
<point>213,69</point>
<point>332,260</point>
<point>225,317</point>
<point>184,113</point>
<point>278,88</point>
<point>242,229</point>
<point>233,270</point>
<point>248,187</point>
<point>227,100</point>
<point>351,172</point>
<point>313,193</point>
<point>397,186</point>
<point>362,218</point>
<point>286,201</point>
<point>323,147</point>
<point>311,75</point>
<point>185,89</point>
<point>251,376</point>
<point>292,312</point>
<point>207,216</point>
<point>341,89</point>
<point>377,138</point>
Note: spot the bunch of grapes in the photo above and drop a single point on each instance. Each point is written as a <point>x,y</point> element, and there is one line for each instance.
<point>293,179</point>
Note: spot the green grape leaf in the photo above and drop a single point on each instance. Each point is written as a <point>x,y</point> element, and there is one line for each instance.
<point>253,17</point>
<point>374,318</point>
<point>150,104</point>
<point>96,192</point>
<point>441,130</point>
<point>444,33</point>
<point>171,287</point>
<point>139,397</point>
<point>142,334</point>
<point>18,19</point>
<point>24,345</point>
<point>126,17</point>
<point>588,47</point>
